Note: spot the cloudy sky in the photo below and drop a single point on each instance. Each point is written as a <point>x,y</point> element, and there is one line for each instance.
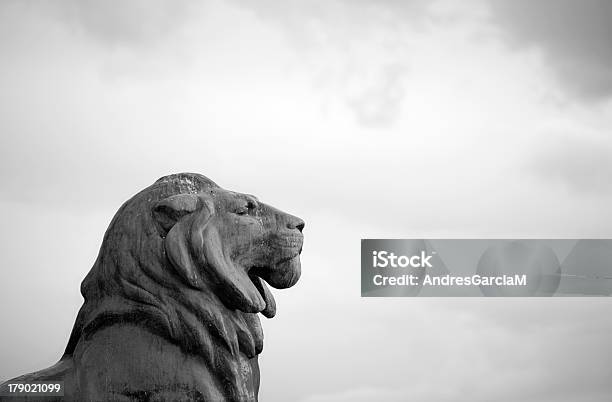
<point>368,119</point>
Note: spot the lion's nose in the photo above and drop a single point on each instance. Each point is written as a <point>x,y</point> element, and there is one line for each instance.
<point>295,223</point>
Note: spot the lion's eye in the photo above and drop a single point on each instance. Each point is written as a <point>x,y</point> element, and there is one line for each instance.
<point>246,209</point>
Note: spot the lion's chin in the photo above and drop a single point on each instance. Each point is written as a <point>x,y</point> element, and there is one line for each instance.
<point>283,274</point>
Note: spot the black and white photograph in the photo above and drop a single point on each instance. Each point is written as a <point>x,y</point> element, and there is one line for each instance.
<point>306,201</point>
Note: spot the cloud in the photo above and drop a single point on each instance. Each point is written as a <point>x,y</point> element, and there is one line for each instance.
<point>362,394</point>
<point>118,22</point>
<point>574,36</point>
<point>526,384</point>
<point>379,104</point>
<point>349,46</point>
<point>582,165</point>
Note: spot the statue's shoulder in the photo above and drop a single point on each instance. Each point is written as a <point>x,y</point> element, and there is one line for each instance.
<point>127,360</point>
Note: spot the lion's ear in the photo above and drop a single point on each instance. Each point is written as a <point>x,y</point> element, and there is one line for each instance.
<point>169,210</point>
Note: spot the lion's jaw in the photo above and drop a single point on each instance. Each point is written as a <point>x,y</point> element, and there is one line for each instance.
<point>283,268</point>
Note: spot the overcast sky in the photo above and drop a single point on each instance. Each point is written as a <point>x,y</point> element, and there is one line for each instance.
<point>368,119</point>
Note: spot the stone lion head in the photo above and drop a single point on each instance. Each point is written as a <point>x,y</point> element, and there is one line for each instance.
<point>190,261</point>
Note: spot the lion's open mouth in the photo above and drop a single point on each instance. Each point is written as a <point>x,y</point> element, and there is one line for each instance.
<point>270,309</point>
<point>282,274</point>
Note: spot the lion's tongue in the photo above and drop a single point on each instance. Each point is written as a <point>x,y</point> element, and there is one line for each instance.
<point>270,310</point>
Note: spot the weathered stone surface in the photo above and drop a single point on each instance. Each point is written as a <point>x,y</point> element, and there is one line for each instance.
<point>172,301</point>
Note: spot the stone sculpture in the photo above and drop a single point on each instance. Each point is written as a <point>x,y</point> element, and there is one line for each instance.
<point>172,301</point>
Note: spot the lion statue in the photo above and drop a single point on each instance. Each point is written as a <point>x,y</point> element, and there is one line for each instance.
<point>172,301</point>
